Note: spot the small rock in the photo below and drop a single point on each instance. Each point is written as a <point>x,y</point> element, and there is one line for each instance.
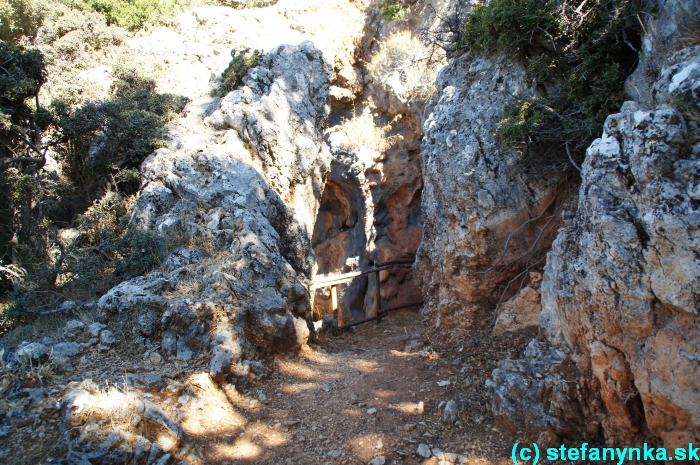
<point>420,408</point>
<point>72,329</point>
<point>450,414</point>
<point>424,451</point>
<point>183,351</point>
<point>106,338</point>
<point>291,423</point>
<point>334,454</point>
<point>155,358</point>
<point>443,383</point>
<point>451,457</point>
<point>95,328</point>
<point>69,349</point>
<point>409,426</point>
<point>147,380</point>
<point>49,341</point>
<point>103,348</point>
<point>34,351</point>
<point>381,460</point>
<point>372,411</point>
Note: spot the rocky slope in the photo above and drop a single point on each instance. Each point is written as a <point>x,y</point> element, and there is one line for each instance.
<point>616,355</point>
<point>233,197</point>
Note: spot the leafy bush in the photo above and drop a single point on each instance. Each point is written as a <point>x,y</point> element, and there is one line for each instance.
<point>20,18</point>
<point>135,14</point>
<point>577,57</point>
<point>390,10</point>
<point>111,136</point>
<point>233,75</point>
<point>241,4</point>
<point>100,144</point>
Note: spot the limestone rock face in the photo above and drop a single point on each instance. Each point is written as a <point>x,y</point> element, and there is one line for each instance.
<point>239,184</point>
<point>621,289</point>
<point>244,184</point>
<point>622,286</point>
<point>672,28</point>
<point>473,195</point>
<point>520,312</point>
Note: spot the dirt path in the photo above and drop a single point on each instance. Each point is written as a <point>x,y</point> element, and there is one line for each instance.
<point>355,399</point>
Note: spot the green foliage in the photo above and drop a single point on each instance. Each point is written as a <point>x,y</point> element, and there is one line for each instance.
<point>242,4</point>
<point>233,75</point>
<point>577,58</point>
<point>131,14</point>
<point>23,74</point>
<point>507,24</point>
<point>139,252</point>
<point>390,10</point>
<point>100,144</point>
<point>20,18</point>
<point>114,135</point>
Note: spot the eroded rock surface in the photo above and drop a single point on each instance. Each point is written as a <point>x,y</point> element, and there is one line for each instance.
<point>234,196</point>
<point>621,289</point>
<point>474,196</point>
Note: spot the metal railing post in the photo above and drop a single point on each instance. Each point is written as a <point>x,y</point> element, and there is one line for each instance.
<point>377,296</point>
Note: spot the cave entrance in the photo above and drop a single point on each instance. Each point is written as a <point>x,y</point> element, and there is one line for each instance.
<point>364,251</point>
<point>370,210</point>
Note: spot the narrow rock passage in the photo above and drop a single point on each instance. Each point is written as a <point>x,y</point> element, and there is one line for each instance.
<point>354,399</point>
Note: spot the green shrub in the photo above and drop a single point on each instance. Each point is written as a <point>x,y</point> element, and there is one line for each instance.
<point>577,58</point>
<point>111,136</point>
<point>233,75</point>
<point>20,18</point>
<point>390,10</point>
<point>241,4</point>
<point>129,14</point>
<point>23,74</point>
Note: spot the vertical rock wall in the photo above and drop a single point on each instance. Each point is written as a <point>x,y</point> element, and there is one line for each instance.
<point>475,196</point>
<point>620,294</point>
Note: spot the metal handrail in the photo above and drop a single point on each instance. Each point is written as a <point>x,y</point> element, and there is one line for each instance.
<point>333,281</point>
<point>330,280</point>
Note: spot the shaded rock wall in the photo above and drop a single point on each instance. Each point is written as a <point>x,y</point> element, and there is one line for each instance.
<point>242,177</point>
<point>371,209</point>
<point>370,212</point>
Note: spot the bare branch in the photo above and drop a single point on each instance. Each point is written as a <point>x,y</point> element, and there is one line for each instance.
<point>571,159</point>
<point>510,236</point>
<point>15,273</point>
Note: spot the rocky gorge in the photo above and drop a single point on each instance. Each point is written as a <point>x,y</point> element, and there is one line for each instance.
<point>556,312</point>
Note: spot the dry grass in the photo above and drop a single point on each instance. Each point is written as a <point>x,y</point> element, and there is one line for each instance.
<point>363,132</point>
<point>406,66</point>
